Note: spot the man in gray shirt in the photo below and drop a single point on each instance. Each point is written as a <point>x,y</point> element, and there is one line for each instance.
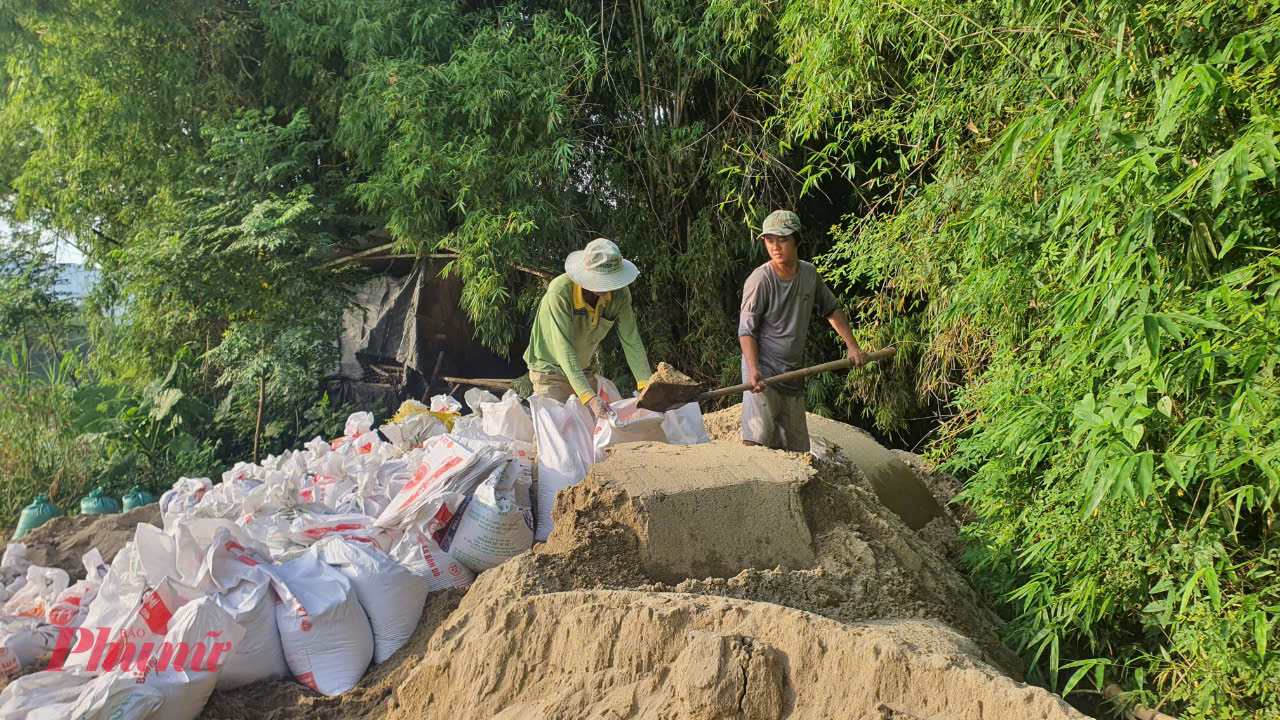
<point>778,300</point>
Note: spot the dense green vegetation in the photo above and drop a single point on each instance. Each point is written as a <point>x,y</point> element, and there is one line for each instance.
<point>1063,214</point>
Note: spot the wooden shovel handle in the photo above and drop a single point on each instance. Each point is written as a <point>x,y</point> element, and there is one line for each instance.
<point>844,364</point>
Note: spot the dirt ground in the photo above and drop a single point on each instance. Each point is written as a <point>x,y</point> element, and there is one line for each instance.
<point>63,541</point>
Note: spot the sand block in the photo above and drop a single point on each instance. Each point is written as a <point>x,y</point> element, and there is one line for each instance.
<point>711,510</point>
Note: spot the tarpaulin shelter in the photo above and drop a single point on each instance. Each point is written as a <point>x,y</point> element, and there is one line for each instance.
<point>406,332</point>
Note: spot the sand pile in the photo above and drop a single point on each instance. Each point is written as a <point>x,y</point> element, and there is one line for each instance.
<point>865,564</point>
<point>63,541</point>
<point>618,654</point>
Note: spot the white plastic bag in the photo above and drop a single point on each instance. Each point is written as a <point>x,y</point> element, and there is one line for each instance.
<point>358,424</point>
<point>445,463</point>
<point>565,451</point>
<point>72,605</point>
<point>200,640</point>
<point>391,595</point>
<point>118,597</point>
<point>684,425</point>
<point>423,556</point>
<point>607,390</point>
<point>260,654</point>
<point>628,424</point>
<point>13,570</point>
<point>412,430</point>
<point>185,494</point>
<point>497,523</point>
<point>147,622</point>
<point>475,397</point>
<point>327,639</point>
<point>23,641</point>
<point>307,528</point>
<point>116,696</point>
<point>15,558</point>
<point>156,552</point>
<point>445,404</point>
<point>42,589</point>
<point>42,695</point>
<point>227,563</point>
<point>507,419</point>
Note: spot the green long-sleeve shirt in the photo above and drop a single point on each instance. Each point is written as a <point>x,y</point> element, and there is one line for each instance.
<point>566,332</point>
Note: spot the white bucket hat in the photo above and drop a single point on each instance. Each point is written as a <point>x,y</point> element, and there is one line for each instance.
<point>599,267</point>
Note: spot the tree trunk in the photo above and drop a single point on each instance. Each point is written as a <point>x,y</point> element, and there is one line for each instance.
<point>257,429</point>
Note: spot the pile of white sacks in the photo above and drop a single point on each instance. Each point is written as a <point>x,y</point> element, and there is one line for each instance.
<point>309,565</point>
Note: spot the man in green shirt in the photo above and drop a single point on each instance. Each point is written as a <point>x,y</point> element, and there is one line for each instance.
<point>577,311</point>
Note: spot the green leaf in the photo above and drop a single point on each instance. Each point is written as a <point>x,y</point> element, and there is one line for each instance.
<point>1151,326</point>
<point>1221,176</point>
<point>182,443</point>
<point>1102,487</point>
<point>1146,469</point>
<point>1261,629</point>
<point>1165,406</point>
<point>1195,320</point>
<point>1211,583</point>
<point>1189,588</point>
<point>1133,433</point>
<point>1084,666</point>
<point>164,402</point>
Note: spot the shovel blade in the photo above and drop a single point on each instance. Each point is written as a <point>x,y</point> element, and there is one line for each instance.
<point>661,396</point>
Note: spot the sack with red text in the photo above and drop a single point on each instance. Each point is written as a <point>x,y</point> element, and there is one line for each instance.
<point>307,528</point>
<point>327,639</point>
<point>23,641</point>
<point>72,605</point>
<point>422,555</point>
<point>445,464</point>
<point>181,668</point>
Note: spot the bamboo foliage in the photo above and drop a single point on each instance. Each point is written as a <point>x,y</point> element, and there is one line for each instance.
<point>1072,230</point>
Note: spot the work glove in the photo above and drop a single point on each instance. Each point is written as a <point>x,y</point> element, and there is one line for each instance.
<point>600,408</point>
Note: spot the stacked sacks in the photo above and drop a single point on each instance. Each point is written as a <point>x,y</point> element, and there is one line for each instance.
<point>310,564</point>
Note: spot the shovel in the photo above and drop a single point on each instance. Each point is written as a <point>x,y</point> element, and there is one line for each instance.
<point>661,397</point>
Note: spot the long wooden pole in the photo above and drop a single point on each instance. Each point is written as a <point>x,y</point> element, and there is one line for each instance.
<point>844,364</point>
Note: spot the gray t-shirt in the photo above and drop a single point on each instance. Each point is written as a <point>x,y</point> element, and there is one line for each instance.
<point>777,313</point>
